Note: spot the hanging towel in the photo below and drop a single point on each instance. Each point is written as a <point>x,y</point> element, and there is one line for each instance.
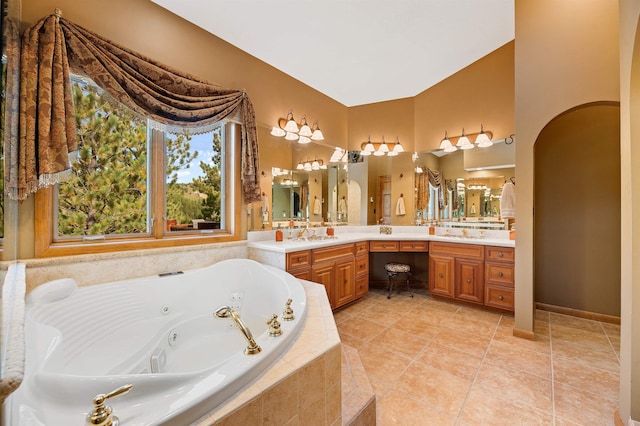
<point>508,201</point>
<point>342,206</point>
<point>400,207</point>
<point>317,207</point>
<point>265,203</point>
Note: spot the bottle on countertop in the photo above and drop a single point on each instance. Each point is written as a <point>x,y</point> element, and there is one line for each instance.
<point>279,234</point>
<point>432,229</point>
<point>512,233</point>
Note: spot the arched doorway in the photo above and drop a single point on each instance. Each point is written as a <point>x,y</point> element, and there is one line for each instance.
<point>577,210</point>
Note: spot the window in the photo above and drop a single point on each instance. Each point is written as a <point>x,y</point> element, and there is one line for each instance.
<point>132,185</point>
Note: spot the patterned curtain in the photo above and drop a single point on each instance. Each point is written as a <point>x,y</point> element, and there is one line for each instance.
<point>422,186</point>
<point>172,98</point>
<point>437,181</point>
<point>451,185</point>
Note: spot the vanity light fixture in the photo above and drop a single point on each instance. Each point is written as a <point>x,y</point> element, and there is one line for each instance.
<point>311,165</point>
<point>482,140</point>
<point>292,131</point>
<point>464,142</point>
<point>381,148</point>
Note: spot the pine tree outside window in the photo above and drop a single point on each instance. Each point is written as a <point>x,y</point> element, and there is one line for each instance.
<point>133,182</point>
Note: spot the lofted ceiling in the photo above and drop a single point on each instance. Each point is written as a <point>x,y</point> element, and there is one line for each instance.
<point>358,51</point>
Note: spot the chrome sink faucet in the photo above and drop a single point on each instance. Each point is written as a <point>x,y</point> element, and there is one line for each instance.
<point>226,312</point>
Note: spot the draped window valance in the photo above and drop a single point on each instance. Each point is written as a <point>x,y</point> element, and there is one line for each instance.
<point>54,46</point>
<point>437,181</point>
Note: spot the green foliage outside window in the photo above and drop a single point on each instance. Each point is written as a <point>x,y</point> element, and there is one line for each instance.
<point>108,192</point>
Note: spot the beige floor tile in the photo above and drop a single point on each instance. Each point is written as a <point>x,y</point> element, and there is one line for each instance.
<point>400,342</point>
<point>588,339</point>
<point>342,315</point>
<point>516,358</point>
<point>507,321</point>
<point>361,328</point>
<point>473,344</point>
<point>542,328</point>
<point>381,364</point>
<point>574,322</point>
<point>486,408</point>
<point>564,422</point>
<point>542,315</point>
<point>437,317</point>
<point>441,305</point>
<point>399,409</point>
<point>582,407</point>
<point>383,315</point>
<point>454,362</point>
<point>516,385</point>
<point>436,388</point>
<point>579,375</point>
<point>353,341</point>
<point>612,330</point>
<point>615,343</point>
<point>604,360</point>
<point>472,325</point>
<point>540,344</point>
<point>479,314</point>
<point>417,326</point>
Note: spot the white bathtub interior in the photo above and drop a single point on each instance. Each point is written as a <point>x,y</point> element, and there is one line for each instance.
<point>157,333</point>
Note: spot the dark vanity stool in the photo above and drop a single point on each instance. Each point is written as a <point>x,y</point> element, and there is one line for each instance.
<point>394,269</point>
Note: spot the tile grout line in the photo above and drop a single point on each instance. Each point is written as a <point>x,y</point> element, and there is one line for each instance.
<point>475,377</point>
<point>553,382</point>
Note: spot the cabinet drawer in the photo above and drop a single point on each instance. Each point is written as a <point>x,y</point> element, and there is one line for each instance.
<point>331,253</point>
<point>362,247</point>
<point>498,296</point>
<point>362,285</point>
<point>383,246</point>
<point>298,259</point>
<point>500,254</point>
<point>420,246</point>
<point>499,273</point>
<point>468,251</point>
<point>303,274</point>
<point>362,265</point>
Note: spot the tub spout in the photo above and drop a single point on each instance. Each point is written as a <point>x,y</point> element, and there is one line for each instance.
<point>227,312</point>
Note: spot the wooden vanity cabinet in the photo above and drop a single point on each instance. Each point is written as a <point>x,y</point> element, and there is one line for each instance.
<point>499,281</point>
<point>441,275</point>
<point>362,268</point>
<point>299,264</point>
<point>342,269</point>
<point>457,271</point>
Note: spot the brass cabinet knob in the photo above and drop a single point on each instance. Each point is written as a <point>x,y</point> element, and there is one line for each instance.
<point>468,280</point>
<point>300,259</point>
<point>501,297</point>
<point>441,276</point>
<point>500,254</point>
<point>384,246</point>
<point>500,274</point>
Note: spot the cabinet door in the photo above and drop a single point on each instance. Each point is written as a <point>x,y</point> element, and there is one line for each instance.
<point>441,275</point>
<point>469,280</point>
<point>324,274</point>
<point>345,283</point>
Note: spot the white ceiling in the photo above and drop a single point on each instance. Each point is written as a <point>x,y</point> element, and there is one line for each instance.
<point>358,51</point>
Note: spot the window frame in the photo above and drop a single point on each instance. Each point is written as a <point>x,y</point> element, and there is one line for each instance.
<point>45,205</point>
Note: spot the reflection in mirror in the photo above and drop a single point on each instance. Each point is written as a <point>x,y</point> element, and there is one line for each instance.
<point>471,188</point>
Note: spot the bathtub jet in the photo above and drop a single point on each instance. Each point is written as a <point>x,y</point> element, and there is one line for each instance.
<point>159,335</point>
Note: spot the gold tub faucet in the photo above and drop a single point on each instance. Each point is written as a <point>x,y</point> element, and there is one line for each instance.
<point>226,312</point>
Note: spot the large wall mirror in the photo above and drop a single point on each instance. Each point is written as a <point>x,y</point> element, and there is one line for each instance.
<point>473,190</point>
<point>302,184</point>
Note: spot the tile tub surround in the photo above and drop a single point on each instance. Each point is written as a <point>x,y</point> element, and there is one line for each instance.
<point>89,269</point>
<point>422,365</point>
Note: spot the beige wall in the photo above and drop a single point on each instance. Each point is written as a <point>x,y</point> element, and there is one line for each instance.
<point>577,202</point>
<point>560,62</point>
<point>630,209</point>
<point>482,93</point>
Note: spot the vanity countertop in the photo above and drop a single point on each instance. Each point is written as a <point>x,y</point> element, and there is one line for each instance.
<point>265,240</point>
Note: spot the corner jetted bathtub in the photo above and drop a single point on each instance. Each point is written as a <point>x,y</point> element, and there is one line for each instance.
<point>159,334</point>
